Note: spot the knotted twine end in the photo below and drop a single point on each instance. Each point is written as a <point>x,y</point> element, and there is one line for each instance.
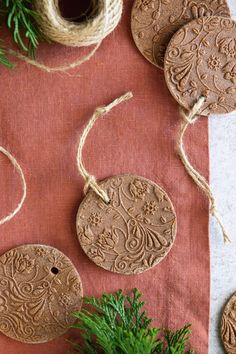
<point>190,118</point>
<point>90,180</point>
<point>20,171</point>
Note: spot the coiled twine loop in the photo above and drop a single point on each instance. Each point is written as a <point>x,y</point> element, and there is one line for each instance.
<point>103,19</point>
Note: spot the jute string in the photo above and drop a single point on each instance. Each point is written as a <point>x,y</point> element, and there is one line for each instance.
<point>20,171</point>
<point>190,118</point>
<point>90,180</point>
<point>103,20</point>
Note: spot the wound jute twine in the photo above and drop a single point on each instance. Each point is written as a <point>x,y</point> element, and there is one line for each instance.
<point>19,170</point>
<point>90,180</point>
<point>190,118</point>
<point>103,18</point>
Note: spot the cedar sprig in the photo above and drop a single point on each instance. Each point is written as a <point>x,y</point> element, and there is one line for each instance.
<point>116,324</point>
<point>4,61</point>
<point>21,21</point>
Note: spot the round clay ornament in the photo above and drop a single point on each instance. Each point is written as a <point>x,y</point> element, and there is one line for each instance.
<point>228,326</point>
<point>39,289</point>
<point>200,61</point>
<point>131,234</point>
<point>154,22</point>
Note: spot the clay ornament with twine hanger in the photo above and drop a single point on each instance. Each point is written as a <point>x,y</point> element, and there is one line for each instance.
<point>18,168</point>
<point>200,65</point>
<point>125,224</point>
<point>102,20</point>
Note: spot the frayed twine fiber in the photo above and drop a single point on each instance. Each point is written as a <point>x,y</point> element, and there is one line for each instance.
<point>90,180</point>
<point>190,118</point>
<point>19,170</point>
<point>103,19</point>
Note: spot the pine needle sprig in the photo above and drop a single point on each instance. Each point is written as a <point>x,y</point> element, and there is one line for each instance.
<point>116,324</point>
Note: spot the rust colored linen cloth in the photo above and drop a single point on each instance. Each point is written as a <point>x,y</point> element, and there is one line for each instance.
<point>42,116</point>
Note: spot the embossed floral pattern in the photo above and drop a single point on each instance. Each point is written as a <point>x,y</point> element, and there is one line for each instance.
<point>95,219</point>
<point>31,295</point>
<point>214,62</point>
<point>227,46</point>
<point>150,208</point>
<point>96,254</point>
<point>145,5</point>
<point>201,60</point>
<point>107,239</point>
<point>200,10</point>
<point>3,306</point>
<point>138,189</point>
<point>138,231</point>
<point>228,326</point>
<point>23,263</point>
<point>230,71</point>
<point>86,236</point>
<point>154,22</point>
<point>40,251</point>
<point>64,300</point>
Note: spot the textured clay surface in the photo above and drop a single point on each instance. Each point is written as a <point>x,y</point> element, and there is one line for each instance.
<point>154,22</point>
<point>201,61</point>
<point>39,289</point>
<point>228,326</point>
<point>134,232</point>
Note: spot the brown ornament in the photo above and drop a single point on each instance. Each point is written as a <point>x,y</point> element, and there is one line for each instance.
<point>154,22</point>
<point>39,289</point>
<point>201,61</point>
<point>131,234</point>
<point>228,326</point>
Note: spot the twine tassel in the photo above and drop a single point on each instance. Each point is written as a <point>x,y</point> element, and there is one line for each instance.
<point>90,180</point>
<point>189,119</point>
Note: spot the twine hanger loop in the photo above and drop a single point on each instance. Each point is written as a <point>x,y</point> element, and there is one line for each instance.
<point>90,180</point>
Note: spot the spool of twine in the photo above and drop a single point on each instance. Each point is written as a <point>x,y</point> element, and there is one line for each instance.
<point>102,19</point>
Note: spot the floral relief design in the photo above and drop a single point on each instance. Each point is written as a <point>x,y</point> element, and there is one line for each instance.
<point>107,239</point>
<point>40,251</point>
<point>228,326</point>
<point>3,306</point>
<point>227,46</point>
<point>145,5</point>
<point>230,72</point>
<point>150,208</point>
<point>96,255</point>
<point>138,189</point>
<point>65,300</point>
<point>138,227</point>
<point>200,10</point>
<point>95,219</point>
<point>214,62</point>
<point>23,263</point>
<point>35,302</point>
<point>154,22</point>
<point>201,61</point>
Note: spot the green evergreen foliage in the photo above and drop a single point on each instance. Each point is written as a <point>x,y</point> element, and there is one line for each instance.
<point>20,19</point>
<point>116,324</point>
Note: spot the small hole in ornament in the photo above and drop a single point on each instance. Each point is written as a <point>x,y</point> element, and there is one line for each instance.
<point>55,270</point>
<point>78,11</point>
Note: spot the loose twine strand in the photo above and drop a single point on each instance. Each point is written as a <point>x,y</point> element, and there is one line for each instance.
<point>190,118</point>
<point>58,29</point>
<point>20,171</point>
<point>90,180</point>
